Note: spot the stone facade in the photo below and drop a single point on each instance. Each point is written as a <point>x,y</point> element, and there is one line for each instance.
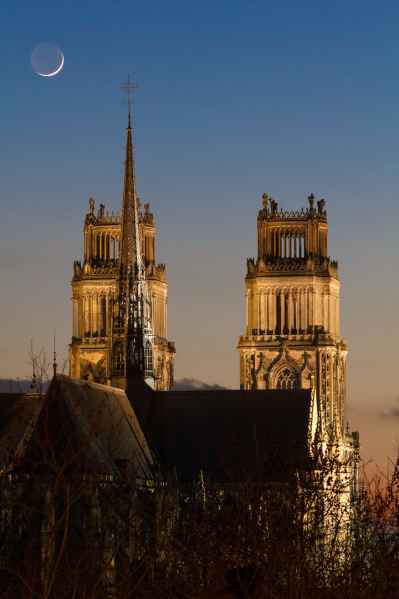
<point>94,354</point>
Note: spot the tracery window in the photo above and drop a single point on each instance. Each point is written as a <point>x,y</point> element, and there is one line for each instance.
<point>148,359</point>
<point>287,379</point>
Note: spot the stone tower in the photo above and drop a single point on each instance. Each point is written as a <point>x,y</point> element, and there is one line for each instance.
<point>100,287</point>
<point>292,338</point>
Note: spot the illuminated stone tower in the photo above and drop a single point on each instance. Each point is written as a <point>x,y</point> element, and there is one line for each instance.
<point>292,338</point>
<point>104,313</point>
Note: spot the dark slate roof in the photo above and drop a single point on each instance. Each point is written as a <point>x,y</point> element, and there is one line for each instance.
<point>100,425</point>
<point>88,426</point>
<point>229,435</point>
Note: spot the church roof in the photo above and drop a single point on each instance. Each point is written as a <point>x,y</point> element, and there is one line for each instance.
<point>229,435</point>
<point>85,426</point>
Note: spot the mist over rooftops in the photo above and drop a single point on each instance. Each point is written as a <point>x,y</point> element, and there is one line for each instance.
<point>189,384</point>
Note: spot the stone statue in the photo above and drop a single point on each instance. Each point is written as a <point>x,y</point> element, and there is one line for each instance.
<point>320,206</point>
<point>91,205</point>
<point>265,201</point>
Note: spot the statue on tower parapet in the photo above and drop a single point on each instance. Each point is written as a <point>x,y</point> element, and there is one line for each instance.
<point>91,206</point>
<point>320,207</point>
<point>270,210</point>
<point>311,204</point>
<point>265,201</point>
<point>292,240</point>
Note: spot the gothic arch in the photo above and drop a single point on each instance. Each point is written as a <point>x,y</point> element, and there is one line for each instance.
<point>284,376</point>
<point>283,371</point>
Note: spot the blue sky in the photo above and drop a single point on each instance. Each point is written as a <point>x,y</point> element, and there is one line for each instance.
<point>236,98</point>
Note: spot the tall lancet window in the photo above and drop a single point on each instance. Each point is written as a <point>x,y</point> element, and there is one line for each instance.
<point>148,359</point>
<point>287,379</point>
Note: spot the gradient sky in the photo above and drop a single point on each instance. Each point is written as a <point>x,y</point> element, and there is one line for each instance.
<point>236,98</point>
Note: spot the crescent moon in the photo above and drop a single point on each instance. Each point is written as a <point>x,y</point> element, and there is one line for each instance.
<point>57,70</point>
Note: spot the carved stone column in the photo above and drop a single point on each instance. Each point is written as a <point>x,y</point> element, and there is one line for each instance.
<point>272,310</point>
<point>107,315</point>
<point>75,317</point>
<point>262,324</point>
<point>282,308</point>
<point>91,321</point>
<point>312,303</point>
<point>87,315</point>
<point>247,295</point>
<point>99,313</point>
<point>300,309</point>
<point>326,323</point>
<point>306,300</point>
<point>155,318</point>
<point>79,304</point>
<point>290,310</point>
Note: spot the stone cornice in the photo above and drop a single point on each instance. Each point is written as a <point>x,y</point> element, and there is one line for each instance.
<point>312,265</point>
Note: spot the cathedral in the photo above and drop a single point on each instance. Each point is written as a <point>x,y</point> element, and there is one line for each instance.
<point>114,430</point>
<point>98,346</point>
<point>292,356</point>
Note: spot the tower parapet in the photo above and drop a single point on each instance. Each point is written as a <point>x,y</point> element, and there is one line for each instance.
<point>289,234</point>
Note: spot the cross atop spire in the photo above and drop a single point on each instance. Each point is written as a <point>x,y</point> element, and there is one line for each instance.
<point>129,88</point>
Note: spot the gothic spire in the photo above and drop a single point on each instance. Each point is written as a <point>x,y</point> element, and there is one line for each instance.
<point>129,207</point>
<point>134,323</point>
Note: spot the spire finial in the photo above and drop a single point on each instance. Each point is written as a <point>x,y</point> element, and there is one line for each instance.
<point>129,88</point>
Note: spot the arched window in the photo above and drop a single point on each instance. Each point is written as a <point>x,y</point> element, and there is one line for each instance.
<point>287,379</point>
<point>148,359</point>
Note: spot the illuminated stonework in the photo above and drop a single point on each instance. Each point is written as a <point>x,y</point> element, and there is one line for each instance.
<point>292,338</point>
<point>94,299</point>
